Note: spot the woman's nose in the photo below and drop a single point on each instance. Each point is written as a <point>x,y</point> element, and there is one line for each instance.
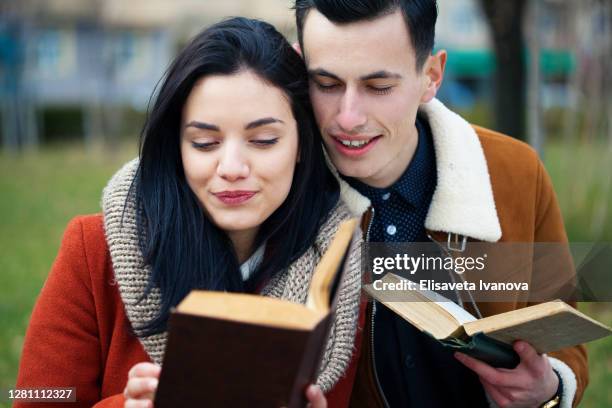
<point>232,164</point>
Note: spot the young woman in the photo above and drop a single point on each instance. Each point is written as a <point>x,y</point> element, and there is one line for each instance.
<point>230,192</point>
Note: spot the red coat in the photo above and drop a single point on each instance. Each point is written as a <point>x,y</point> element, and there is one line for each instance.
<point>79,335</point>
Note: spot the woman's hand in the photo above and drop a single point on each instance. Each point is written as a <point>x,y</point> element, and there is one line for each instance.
<point>315,397</point>
<point>141,385</point>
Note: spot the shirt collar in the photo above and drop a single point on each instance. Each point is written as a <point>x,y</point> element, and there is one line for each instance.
<point>250,265</point>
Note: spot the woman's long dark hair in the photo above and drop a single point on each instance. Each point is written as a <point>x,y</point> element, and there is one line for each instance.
<point>180,244</point>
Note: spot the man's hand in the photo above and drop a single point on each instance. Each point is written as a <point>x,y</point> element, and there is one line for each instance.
<point>530,384</point>
<point>141,385</point>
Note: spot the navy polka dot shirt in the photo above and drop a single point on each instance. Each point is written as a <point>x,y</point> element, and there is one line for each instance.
<point>412,367</point>
<point>400,210</point>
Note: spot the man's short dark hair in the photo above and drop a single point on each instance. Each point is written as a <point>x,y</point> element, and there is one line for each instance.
<point>420,17</point>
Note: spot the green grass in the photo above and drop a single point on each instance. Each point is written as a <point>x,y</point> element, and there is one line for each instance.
<point>582,176</point>
<point>598,393</point>
<point>41,191</point>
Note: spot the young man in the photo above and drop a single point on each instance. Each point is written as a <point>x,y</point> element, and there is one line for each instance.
<point>427,173</point>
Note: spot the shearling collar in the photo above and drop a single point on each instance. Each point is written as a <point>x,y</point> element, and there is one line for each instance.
<point>462,202</point>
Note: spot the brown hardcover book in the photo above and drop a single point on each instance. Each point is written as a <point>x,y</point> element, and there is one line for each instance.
<point>546,326</point>
<point>242,350</point>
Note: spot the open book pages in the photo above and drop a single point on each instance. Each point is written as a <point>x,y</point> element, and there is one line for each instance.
<point>428,311</point>
<point>461,315</point>
<point>329,269</point>
<point>547,326</point>
<point>251,309</point>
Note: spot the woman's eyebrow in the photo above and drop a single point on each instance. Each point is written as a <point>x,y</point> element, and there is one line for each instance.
<point>262,122</point>
<point>251,125</point>
<point>202,125</point>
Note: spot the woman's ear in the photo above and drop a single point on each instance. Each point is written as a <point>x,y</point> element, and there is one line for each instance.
<point>434,74</point>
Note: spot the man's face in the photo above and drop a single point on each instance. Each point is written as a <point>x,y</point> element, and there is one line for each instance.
<point>365,90</point>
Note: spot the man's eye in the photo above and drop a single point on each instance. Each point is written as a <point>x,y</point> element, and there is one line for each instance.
<point>204,145</point>
<point>265,142</point>
<point>380,90</point>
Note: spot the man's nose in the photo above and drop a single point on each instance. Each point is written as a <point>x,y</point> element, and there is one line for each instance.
<point>350,115</point>
<point>233,165</point>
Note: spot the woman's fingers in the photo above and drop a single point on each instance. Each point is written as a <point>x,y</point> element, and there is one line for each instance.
<point>132,403</point>
<point>142,383</point>
<point>140,388</point>
<point>315,397</point>
<point>144,370</point>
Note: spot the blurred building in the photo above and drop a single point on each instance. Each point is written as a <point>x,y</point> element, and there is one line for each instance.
<point>101,57</point>
<point>98,57</point>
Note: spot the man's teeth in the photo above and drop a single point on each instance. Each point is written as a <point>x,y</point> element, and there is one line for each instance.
<point>354,143</point>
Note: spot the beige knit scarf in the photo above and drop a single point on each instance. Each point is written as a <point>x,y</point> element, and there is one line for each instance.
<point>291,285</point>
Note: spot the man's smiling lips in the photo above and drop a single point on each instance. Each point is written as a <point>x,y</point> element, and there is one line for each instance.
<point>354,146</point>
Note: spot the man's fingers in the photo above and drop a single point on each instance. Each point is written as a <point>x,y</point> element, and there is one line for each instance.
<point>529,357</point>
<point>315,397</point>
<point>140,388</point>
<point>144,370</point>
<point>485,371</point>
<point>495,393</point>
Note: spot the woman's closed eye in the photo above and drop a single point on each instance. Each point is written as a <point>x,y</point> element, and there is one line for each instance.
<point>204,145</point>
<point>265,142</point>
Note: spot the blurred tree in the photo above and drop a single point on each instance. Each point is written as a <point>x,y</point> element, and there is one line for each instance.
<point>505,19</point>
<point>587,121</point>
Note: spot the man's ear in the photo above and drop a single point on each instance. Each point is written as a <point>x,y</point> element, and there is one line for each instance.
<point>297,48</point>
<point>434,74</point>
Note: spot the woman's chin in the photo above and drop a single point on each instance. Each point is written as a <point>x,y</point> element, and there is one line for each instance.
<point>237,223</point>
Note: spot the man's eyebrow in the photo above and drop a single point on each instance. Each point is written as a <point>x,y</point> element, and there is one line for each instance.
<point>381,75</point>
<point>262,122</point>
<point>202,125</point>
<point>322,72</point>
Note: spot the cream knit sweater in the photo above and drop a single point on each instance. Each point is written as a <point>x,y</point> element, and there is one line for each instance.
<point>292,284</point>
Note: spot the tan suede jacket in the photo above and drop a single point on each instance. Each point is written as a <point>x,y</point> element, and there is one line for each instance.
<point>491,188</point>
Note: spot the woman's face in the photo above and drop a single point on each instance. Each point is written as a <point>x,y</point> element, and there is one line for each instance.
<point>239,145</point>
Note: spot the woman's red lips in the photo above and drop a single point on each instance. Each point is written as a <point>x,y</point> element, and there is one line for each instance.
<point>234,197</point>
